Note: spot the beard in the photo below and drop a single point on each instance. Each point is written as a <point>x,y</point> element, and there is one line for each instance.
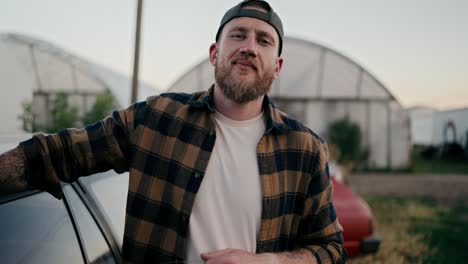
<point>241,91</point>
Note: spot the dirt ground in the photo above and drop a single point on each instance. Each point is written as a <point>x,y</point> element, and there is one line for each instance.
<point>446,189</point>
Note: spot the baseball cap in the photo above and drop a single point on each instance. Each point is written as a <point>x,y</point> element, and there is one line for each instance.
<point>270,17</point>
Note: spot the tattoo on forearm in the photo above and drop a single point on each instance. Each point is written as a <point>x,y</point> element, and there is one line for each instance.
<point>12,171</point>
<point>298,256</point>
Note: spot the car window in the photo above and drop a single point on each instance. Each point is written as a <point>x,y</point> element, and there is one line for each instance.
<point>110,189</point>
<point>37,229</point>
<point>96,247</point>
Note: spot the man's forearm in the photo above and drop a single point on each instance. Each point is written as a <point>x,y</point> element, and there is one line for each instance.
<point>300,256</point>
<point>12,172</point>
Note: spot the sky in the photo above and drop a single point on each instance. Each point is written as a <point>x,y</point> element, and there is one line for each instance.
<point>417,48</point>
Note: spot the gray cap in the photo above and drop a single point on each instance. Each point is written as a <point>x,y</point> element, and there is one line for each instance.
<point>271,17</point>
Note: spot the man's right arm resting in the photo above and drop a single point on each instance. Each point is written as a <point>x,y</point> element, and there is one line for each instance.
<point>12,171</point>
<point>45,160</point>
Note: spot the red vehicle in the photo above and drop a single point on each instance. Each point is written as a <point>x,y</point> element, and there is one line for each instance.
<point>356,218</point>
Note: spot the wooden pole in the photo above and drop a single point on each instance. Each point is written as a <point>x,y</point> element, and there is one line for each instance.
<point>137,54</point>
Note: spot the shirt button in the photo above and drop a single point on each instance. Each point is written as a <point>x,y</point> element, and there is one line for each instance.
<point>211,133</point>
<point>197,175</point>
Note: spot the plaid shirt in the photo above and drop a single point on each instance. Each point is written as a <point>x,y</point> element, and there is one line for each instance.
<point>165,143</point>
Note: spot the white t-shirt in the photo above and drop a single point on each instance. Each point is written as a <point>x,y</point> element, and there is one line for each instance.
<point>227,208</point>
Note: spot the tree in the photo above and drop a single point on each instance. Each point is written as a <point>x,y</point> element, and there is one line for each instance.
<point>346,137</point>
<point>27,117</point>
<point>102,107</point>
<point>63,115</point>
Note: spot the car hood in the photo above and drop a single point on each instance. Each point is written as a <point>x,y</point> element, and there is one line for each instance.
<point>347,202</point>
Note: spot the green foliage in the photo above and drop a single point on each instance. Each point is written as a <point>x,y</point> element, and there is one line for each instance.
<point>422,164</point>
<point>63,115</point>
<point>102,107</point>
<point>346,137</point>
<point>446,234</point>
<point>418,230</point>
<point>27,117</point>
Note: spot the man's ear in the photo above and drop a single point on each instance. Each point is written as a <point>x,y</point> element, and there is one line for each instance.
<point>278,66</point>
<point>213,53</point>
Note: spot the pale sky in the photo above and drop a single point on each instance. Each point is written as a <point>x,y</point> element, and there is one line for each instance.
<point>417,48</point>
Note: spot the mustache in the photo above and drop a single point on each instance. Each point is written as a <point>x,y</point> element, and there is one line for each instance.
<point>245,60</point>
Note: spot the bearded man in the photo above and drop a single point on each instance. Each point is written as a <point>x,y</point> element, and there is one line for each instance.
<point>220,176</point>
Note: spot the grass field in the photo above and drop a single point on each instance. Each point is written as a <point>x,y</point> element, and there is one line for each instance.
<point>418,231</point>
<point>436,165</point>
<point>420,165</point>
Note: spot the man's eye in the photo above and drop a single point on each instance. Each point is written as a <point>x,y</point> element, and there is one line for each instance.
<point>264,42</point>
<point>236,36</point>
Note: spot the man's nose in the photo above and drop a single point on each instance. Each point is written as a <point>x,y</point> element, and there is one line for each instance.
<point>249,47</point>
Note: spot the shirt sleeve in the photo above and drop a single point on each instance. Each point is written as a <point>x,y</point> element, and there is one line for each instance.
<point>70,153</point>
<point>320,230</point>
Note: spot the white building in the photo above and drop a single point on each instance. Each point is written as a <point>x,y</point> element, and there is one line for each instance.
<point>32,70</point>
<point>432,127</point>
<point>422,124</point>
<point>451,126</point>
<point>317,86</point>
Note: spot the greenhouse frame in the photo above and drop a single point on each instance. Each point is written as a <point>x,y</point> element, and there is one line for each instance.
<point>317,86</point>
<point>34,71</point>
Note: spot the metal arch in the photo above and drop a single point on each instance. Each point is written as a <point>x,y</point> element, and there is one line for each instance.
<point>345,57</point>
<point>192,69</point>
<point>450,125</point>
<point>321,73</point>
<point>323,50</point>
<point>51,49</point>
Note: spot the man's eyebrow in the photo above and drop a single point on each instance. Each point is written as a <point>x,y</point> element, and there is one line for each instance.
<point>239,28</point>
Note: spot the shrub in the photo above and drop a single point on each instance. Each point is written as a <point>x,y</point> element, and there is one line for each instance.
<point>102,107</point>
<point>346,137</point>
<point>429,152</point>
<point>63,115</point>
<point>453,152</point>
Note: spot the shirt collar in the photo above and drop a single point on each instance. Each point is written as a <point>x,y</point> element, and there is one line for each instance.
<point>273,116</point>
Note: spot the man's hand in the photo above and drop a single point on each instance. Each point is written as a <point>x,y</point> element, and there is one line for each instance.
<point>237,256</point>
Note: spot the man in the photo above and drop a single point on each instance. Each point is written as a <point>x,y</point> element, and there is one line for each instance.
<point>220,176</point>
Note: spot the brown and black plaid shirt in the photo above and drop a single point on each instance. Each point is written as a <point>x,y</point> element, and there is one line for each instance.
<point>165,143</point>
